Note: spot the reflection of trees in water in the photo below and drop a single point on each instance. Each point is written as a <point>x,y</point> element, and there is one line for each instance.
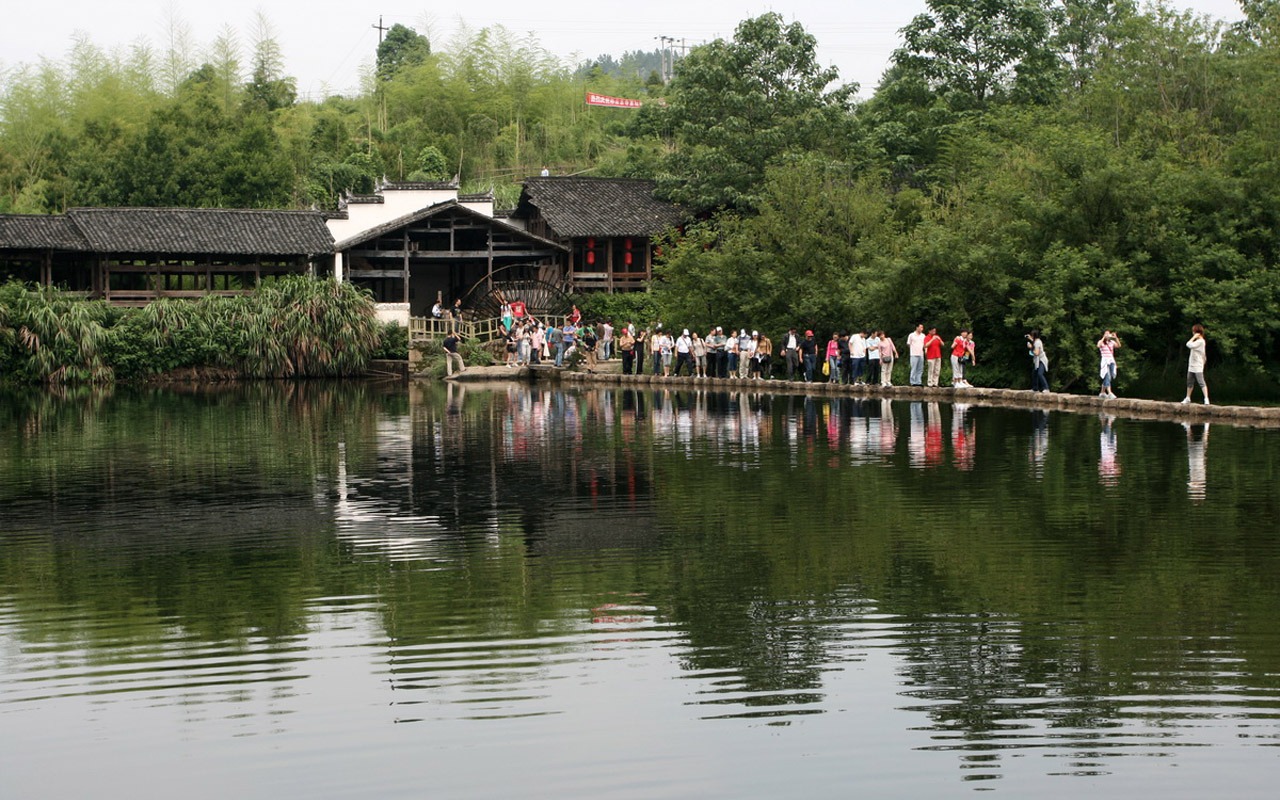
<point>759,527</point>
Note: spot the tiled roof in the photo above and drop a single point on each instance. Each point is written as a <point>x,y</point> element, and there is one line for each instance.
<point>430,211</point>
<point>578,207</point>
<point>30,232</point>
<point>200,231</point>
<point>419,185</point>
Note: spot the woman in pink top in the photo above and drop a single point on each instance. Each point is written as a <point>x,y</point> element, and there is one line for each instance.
<point>1107,347</point>
<point>833,359</point>
<point>888,355</point>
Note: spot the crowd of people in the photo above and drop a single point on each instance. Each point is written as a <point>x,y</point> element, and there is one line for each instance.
<point>861,357</point>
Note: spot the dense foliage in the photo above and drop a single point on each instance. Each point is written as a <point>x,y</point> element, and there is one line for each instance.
<point>1068,165</point>
<point>294,327</point>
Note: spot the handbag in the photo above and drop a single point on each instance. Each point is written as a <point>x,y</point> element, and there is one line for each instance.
<point>826,368</point>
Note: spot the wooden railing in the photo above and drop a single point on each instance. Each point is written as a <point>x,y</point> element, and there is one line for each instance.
<point>424,329</point>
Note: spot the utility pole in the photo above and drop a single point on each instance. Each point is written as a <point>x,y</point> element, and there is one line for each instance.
<point>666,57</point>
<point>381,30</point>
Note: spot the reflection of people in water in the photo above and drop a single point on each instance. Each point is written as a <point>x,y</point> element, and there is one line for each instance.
<point>962,437</point>
<point>1039,442</point>
<point>933,441</point>
<point>1197,445</point>
<point>915,436</point>
<point>1108,466</point>
<point>888,429</point>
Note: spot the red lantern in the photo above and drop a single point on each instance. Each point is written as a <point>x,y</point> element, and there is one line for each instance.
<point>627,259</point>
<point>591,243</point>
<point>591,256</point>
<point>628,244</point>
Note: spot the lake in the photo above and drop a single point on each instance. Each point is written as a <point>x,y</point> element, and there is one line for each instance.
<point>315,590</point>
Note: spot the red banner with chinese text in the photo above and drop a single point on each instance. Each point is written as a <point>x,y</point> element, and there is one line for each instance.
<point>594,99</point>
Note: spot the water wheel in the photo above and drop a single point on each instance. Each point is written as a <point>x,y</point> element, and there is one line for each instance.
<point>540,297</point>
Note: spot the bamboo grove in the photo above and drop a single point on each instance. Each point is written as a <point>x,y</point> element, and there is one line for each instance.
<point>1065,165</point>
<point>296,327</point>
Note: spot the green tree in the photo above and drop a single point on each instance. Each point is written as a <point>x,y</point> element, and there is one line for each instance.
<point>975,51</point>
<point>402,47</point>
<point>738,106</point>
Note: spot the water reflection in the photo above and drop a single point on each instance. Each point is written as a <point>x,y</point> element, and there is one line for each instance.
<point>1039,447</point>
<point>464,556</point>
<point>963,437</point>
<point>1197,448</point>
<point>1108,462</point>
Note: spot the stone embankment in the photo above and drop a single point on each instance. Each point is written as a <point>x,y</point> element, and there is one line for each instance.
<point>609,375</point>
<point>1260,416</point>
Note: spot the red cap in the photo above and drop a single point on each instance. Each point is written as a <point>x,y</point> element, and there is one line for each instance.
<point>808,333</point>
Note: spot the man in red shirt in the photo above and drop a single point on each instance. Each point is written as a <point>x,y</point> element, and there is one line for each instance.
<point>933,356</point>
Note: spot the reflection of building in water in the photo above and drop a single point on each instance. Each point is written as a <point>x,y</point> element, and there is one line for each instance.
<point>963,437</point>
<point>1108,465</point>
<point>1197,446</point>
<point>1039,441</point>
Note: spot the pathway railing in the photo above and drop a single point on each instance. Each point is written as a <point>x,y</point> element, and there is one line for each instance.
<point>425,329</point>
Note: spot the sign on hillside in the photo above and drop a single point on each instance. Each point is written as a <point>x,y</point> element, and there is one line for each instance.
<point>594,99</point>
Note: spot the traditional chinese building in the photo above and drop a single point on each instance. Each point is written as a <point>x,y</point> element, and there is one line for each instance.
<point>130,256</point>
<point>607,224</point>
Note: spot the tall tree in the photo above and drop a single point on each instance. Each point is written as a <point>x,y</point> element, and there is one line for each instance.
<point>402,47</point>
<point>973,51</point>
<point>738,106</point>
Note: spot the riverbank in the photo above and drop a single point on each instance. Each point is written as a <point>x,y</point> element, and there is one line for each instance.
<point>1254,416</point>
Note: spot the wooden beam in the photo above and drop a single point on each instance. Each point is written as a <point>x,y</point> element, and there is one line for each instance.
<point>418,256</point>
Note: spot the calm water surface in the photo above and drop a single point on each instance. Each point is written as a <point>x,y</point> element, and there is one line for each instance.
<point>319,591</point>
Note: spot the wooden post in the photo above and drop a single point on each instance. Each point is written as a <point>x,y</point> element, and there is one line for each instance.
<point>489,276</point>
<point>609,263</point>
<point>406,264</point>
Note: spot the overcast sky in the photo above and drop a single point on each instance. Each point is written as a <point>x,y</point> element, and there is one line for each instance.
<point>326,42</point>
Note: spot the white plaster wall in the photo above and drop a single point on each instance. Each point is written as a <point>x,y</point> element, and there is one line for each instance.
<point>394,312</point>
<point>395,203</point>
<point>485,208</point>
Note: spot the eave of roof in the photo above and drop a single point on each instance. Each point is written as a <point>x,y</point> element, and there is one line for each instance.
<point>431,211</point>
<point>576,207</point>
<point>203,231</point>
<point>40,232</point>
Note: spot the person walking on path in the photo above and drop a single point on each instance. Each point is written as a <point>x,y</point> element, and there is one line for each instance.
<point>1039,362</point>
<point>888,355</point>
<point>684,353</point>
<point>589,344</point>
<point>642,347</point>
<point>746,351</point>
<point>791,353</point>
<point>1107,347</point>
<point>716,357</point>
<point>452,357</point>
<point>606,340</point>
<point>833,359</point>
<point>809,353</point>
<point>873,358</point>
<point>699,350</point>
<point>959,358</point>
<point>915,349</point>
<point>1195,363</point>
<point>933,356</point>
<point>857,357</point>
<point>627,346</point>
<point>762,362</point>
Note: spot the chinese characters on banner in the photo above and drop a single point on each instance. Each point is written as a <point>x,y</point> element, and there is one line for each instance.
<point>594,99</point>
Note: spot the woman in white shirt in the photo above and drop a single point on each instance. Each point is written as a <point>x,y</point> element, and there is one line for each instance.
<point>1195,363</point>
